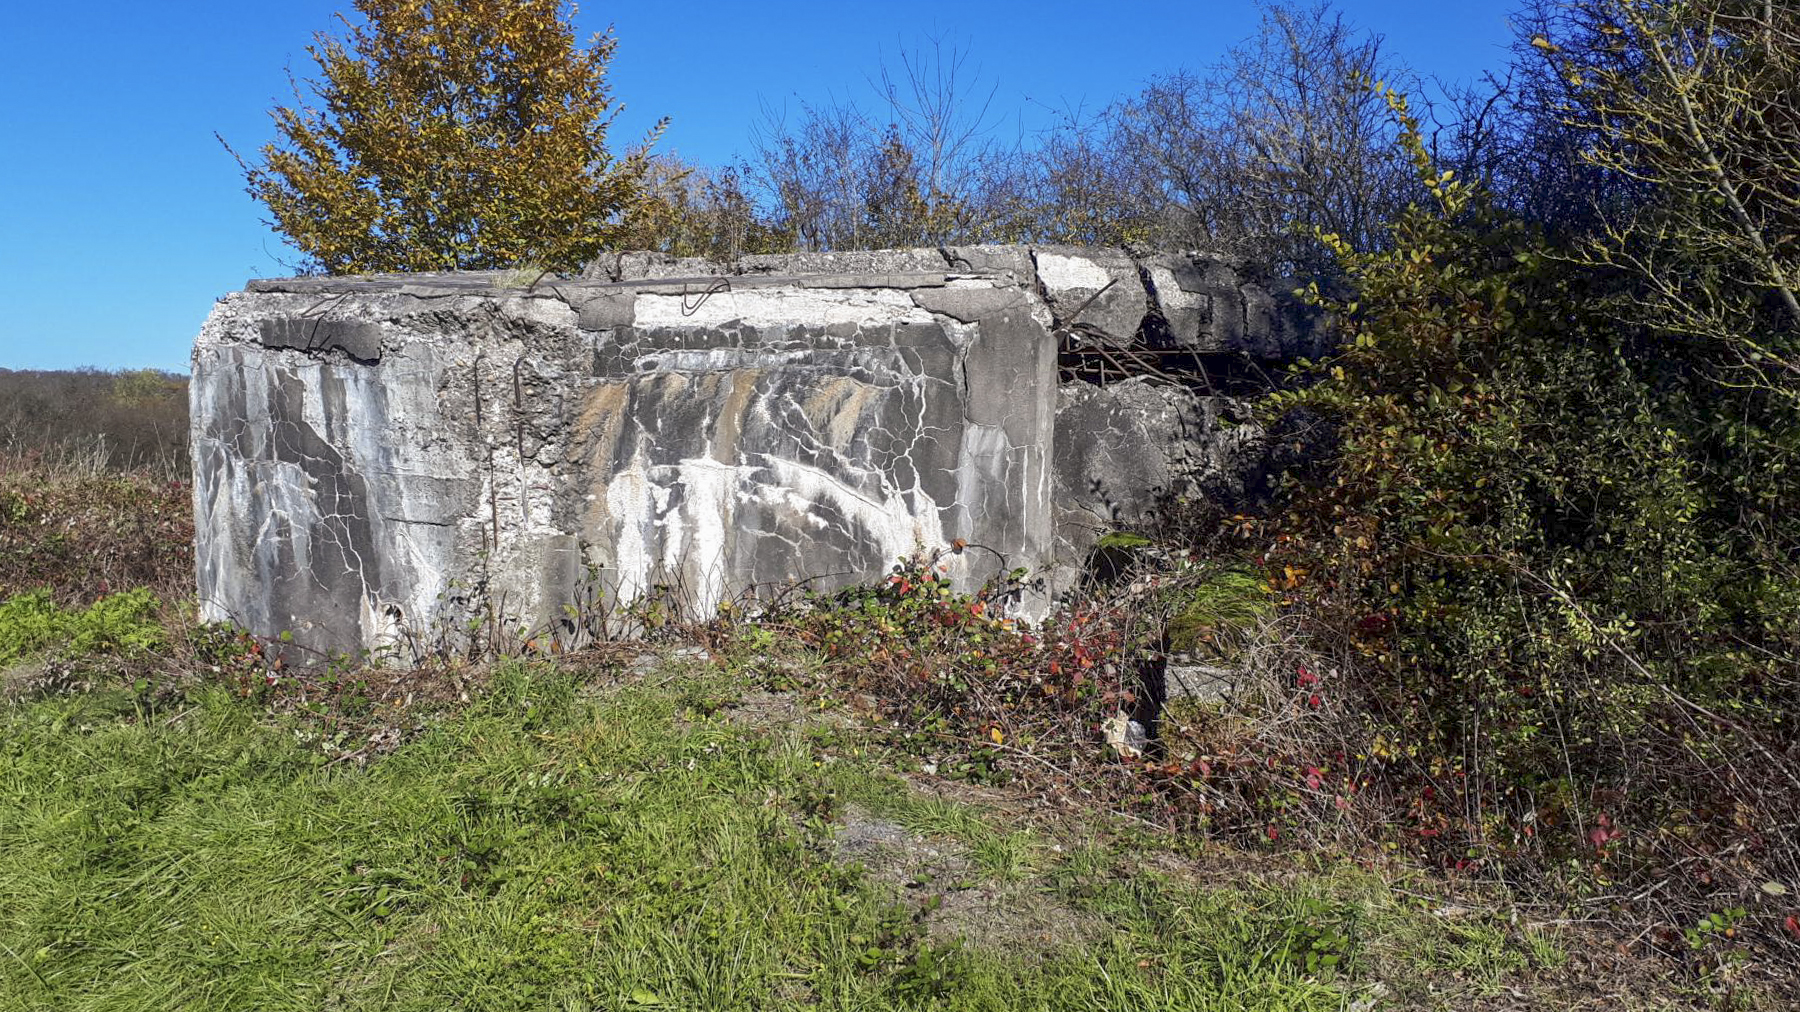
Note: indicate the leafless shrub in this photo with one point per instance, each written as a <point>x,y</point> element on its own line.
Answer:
<point>919,166</point>
<point>89,420</point>
<point>1284,136</point>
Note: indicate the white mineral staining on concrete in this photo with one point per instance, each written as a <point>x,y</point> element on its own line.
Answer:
<point>894,523</point>
<point>380,461</point>
<point>342,493</point>
<point>985,455</point>
<point>779,308</point>
<point>681,361</point>
<point>694,538</point>
<point>695,510</point>
<point>672,524</point>
<point>678,524</point>
<point>632,506</point>
<point>1059,272</point>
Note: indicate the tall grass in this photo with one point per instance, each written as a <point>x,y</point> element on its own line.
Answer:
<point>550,849</point>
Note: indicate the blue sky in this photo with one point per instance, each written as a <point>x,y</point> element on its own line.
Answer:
<point>122,218</point>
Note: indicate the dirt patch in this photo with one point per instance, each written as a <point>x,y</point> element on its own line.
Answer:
<point>1012,914</point>
<point>937,875</point>
<point>761,708</point>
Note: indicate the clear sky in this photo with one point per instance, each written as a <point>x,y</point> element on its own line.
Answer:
<point>122,218</point>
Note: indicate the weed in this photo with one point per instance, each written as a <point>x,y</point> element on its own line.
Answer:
<point>1321,937</point>
<point>121,623</point>
<point>1229,603</point>
<point>1006,856</point>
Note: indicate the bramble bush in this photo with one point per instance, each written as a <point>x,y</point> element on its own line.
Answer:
<point>912,637</point>
<point>94,489</point>
<point>980,697</point>
<point>82,536</point>
<point>1562,546</point>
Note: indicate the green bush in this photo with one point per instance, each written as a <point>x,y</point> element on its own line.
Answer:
<point>1565,547</point>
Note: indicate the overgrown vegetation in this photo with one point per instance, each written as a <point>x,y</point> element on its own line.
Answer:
<point>78,530</point>
<point>643,848</point>
<point>1558,533</point>
<point>1528,626</point>
<point>91,421</point>
<point>1242,158</point>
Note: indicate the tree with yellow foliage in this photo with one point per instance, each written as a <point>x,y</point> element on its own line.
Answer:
<point>461,135</point>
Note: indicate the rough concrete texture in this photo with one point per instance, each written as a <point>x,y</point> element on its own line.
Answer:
<point>1125,450</point>
<point>381,460</point>
<point>1095,292</point>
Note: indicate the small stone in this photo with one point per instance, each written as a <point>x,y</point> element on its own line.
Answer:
<point>1203,683</point>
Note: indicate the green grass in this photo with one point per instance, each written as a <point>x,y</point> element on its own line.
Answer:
<point>546,849</point>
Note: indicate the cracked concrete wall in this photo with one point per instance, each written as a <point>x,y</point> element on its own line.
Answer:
<point>381,460</point>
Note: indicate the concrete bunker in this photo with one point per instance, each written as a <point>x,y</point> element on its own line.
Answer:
<point>382,463</point>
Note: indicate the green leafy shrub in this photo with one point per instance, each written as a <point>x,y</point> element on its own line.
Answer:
<point>1565,548</point>
<point>123,624</point>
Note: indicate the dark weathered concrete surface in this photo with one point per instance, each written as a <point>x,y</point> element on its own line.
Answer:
<point>1127,450</point>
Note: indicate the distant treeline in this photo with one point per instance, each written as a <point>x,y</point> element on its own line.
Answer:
<point>127,420</point>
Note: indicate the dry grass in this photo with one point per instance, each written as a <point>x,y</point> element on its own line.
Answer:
<point>94,484</point>
<point>88,421</point>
